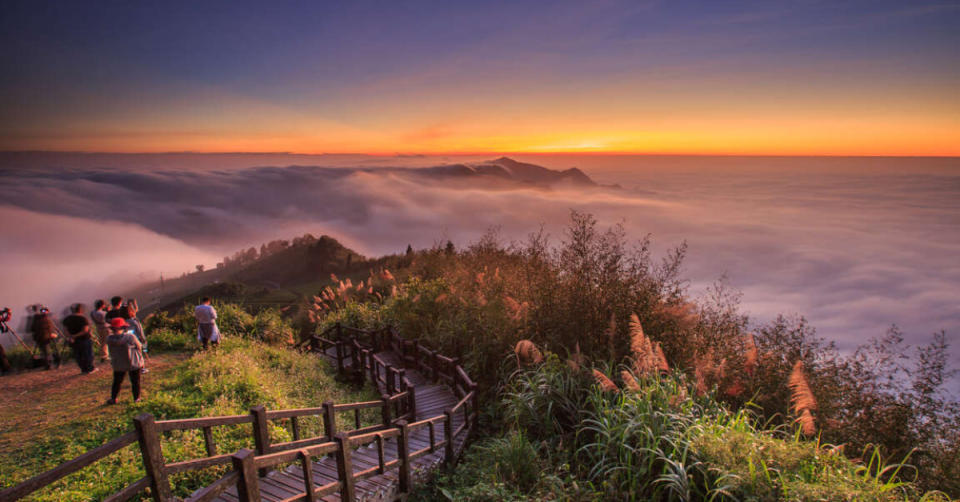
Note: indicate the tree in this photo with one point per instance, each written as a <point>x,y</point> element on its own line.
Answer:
<point>450,249</point>
<point>409,250</point>
<point>200,268</point>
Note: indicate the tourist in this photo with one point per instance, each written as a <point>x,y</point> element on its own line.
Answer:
<point>81,338</point>
<point>207,332</point>
<point>4,363</point>
<point>116,309</point>
<point>137,329</point>
<point>126,358</point>
<point>98,316</point>
<point>44,334</point>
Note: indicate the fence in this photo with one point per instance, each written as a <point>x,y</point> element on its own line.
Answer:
<point>355,353</point>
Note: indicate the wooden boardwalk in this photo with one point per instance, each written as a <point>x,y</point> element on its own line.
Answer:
<point>428,408</point>
<point>431,400</point>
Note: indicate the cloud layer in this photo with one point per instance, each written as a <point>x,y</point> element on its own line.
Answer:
<point>853,244</point>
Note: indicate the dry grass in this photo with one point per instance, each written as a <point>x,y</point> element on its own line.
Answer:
<point>647,356</point>
<point>604,381</point>
<point>527,353</point>
<point>629,382</point>
<point>802,399</point>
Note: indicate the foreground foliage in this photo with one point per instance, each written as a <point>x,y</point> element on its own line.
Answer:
<point>595,300</point>
<point>229,380</point>
<point>567,439</point>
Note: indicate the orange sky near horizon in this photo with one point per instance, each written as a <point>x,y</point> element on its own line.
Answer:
<point>748,78</point>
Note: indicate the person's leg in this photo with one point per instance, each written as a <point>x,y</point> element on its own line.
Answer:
<point>77,347</point>
<point>115,388</point>
<point>135,383</point>
<point>47,356</point>
<point>104,352</point>
<point>85,351</point>
<point>4,363</point>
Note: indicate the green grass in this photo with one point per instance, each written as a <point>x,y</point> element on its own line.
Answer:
<point>565,439</point>
<point>241,373</point>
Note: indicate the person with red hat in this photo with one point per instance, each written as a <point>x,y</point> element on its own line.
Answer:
<point>126,357</point>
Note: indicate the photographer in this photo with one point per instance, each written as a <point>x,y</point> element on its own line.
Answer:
<point>80,333</point>
<point>44,333</point>
<point>4,363</point>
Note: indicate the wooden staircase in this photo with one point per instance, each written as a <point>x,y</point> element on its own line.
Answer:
<point>428,407</point>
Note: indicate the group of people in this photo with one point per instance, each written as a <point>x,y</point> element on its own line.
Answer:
<point>118,333</point>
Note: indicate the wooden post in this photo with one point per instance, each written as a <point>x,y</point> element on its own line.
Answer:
<point>448,436</point>
<point>373,369</point>
<point>339,346</point>
<point>248,488</point>
<point>365,358</point>
<point>306,464</point>
<point>476,404</point>
<point>329,420</point>
<point>149,438</point>
<point>355,359</point>
<point>345,467</point>
<point>385,409</point>
<point>412,402</point>
<point>208,441</point>
<point>391,387</point>
<point>295,428</point>
<point>261,434</point>
<point>403,454</point>
<point>402,378</point>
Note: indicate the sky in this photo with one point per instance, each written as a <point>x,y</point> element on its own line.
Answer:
<point>754,78</point>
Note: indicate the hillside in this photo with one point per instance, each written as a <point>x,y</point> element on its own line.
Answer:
<point>603,379</point>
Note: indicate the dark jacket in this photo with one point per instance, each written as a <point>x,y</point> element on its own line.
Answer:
<point>43,328</point>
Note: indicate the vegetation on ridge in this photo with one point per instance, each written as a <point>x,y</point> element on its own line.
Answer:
<point>594,300</point>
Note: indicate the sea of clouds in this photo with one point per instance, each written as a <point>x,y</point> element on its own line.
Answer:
<point>854,244</point>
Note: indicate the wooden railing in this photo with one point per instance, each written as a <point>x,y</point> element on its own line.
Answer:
<point>397,408</point>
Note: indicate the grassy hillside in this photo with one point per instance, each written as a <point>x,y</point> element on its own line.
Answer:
<point>241,373</point>
<point>624,387</point>
<point>755,412</point>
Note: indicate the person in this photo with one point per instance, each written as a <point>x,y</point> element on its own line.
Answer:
<point>116,309</point>
<point>4,363</point>
<point>126,358</point>
<point>44,334</point>
<point>81,337</point>
<point>100,321</point>
<point>207,332</point>
<point>131,317</point>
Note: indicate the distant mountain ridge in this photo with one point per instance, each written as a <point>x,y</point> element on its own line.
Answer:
<point>508,169</point>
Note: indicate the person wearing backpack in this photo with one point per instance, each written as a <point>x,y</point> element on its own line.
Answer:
<point>44,334</point>
<point>126,358</point>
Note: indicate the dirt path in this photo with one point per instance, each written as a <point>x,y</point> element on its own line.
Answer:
<point>35,402</point>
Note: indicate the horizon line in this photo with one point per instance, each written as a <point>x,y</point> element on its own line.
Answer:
<point>491,152</point>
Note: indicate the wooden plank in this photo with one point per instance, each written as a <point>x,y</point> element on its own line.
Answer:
<point>196,423</point>
<point>196,464</point>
